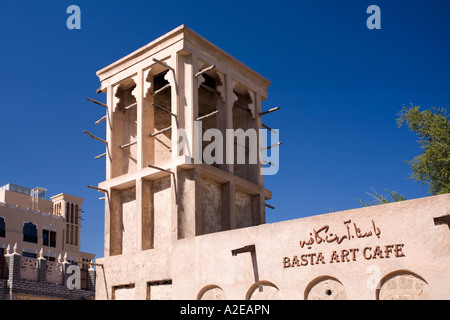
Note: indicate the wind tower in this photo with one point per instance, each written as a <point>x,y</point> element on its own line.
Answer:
<point>156,190</point>
<point>37,193</point>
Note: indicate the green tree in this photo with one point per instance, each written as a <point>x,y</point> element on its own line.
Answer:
<point>432,167</point>
<point>379,199</point>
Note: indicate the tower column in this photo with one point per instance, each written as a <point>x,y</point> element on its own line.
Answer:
<point>140,138</point>
<point>154,98</point>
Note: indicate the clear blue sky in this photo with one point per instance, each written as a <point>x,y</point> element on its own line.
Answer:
<point>339,86</point>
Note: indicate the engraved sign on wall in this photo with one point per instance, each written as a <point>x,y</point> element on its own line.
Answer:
<point>326,235</point>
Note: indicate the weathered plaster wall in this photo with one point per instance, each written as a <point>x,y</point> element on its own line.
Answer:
<point>211,205</point>
<point>129,211</point>
<point>186,203</point>
<point>325,288</point>
<point>404,286</point>
<point>162,120</point>
<point>244,209</point>
<point>162,212</point>
<point>389,251</point>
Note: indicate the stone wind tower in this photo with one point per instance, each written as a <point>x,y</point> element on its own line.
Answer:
<point>177,228</point>
<point>156,195</point>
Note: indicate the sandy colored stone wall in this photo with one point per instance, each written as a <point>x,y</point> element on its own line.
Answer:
<point>211,205</point>
<point>404,286</point>
<point>244,209</point>
<point>129,211</point>
<point>162,218</point>
<point>392,251</point>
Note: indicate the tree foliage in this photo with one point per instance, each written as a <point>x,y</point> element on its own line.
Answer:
<point>432,126</point>
<point>379,199</point>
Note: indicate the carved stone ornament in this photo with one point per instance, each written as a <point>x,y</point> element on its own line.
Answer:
<point>29,268</point>
<point>233,97</point>
<point>54,272</point>
<point>135,92</point>
<point>251,105</point>
<point>221,87</point>
<point>147,82</point>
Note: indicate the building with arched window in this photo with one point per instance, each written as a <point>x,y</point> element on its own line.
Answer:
<point>38,227</point>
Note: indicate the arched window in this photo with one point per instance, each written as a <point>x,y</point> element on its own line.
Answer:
<point>2,227</point>
<point>71,213</point>
<point>403,285</point>
<point>30,232</point>
<point>325,288</point>
<point>75,242</point>
<point>211,292</point>
<point>67,233</point>
<point>263,290</point>
<point>76,214</point>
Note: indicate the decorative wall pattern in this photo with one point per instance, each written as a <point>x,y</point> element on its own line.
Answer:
<point>54,272</point>
<point>399,285</point>
<point>29,269</point>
